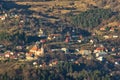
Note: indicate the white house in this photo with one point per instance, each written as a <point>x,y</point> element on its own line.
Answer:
<point>100,58</point>
<point>85,52</point>
<point>100,54</point>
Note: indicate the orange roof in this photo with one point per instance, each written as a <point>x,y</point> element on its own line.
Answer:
<point>102,28</point>
<point>100,48</point>
<point>30,53</point>
<point>35,48</point>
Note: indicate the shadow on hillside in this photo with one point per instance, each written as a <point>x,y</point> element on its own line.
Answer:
<point>77,31</point>
<point>47,16</point>
<point>9,5</point>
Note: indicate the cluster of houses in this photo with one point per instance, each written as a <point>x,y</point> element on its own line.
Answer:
<point>110,27</point>
<point>99,53</point>
<point>112,30</point>
<point>35,52</point>
<point>10,15</point>
<point>111,36</point>
<point>12,55</point>
<point>5,15</point>
<point>38,49</point>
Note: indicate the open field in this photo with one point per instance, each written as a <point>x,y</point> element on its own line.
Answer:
<point>54,10</point>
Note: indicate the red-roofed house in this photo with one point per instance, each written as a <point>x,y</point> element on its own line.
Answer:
<point>36,51</point>
<point>99,49</point>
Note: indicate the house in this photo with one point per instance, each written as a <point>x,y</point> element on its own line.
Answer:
<point>49,38</point>
<point>100,58</point>
<point>99,49</point>
<point>41,33</point>
<point>115,36</point>
<point>106,36</point>
<point>93,34</point>
<point>113,49</point>
<point>67,39</point>
<point>19,47</point>
<point>98,54</point>
<point>91,41</point>
<point>85,52</point>
<point>65,50</point>
<point>55,50</point>
<point>40,65</point>
<point>112,29</point>
<point>53,36</point>
<point>16,16</point>
<point>34,63</point>
<point>53,63</point>
<point>35,50</point>
<point>8,54</point>
<point>43,40</point>
<point>21,55</point>
<point>110,36</point>
<point>79,41</point>
<point>2,17</point>
<point>102,29</point>
<point>77,62</point>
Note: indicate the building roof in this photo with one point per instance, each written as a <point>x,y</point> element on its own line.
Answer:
<point>100,48</point>
<point>34,48</point>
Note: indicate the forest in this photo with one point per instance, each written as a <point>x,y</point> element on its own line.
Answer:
<point>62,71</point>
<point>91,18</point>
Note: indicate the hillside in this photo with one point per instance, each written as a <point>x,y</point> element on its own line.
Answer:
<point>59,40</point>
<point>55,10</point>
<point>56,16</point>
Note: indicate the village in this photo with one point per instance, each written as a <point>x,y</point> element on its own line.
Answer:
<point>47,47</point>
<point>73,42</point>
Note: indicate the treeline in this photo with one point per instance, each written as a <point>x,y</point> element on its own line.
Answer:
<point>91,18</point>
<point>4,36</point>
<point>18,37</point>
<point>62,71</point>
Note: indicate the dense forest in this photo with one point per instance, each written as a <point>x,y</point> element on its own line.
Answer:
<point>52,75</point>
<point>91,18</point>
<point>62,71</point>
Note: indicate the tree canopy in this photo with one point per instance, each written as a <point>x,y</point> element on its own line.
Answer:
<point>91,18</point>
